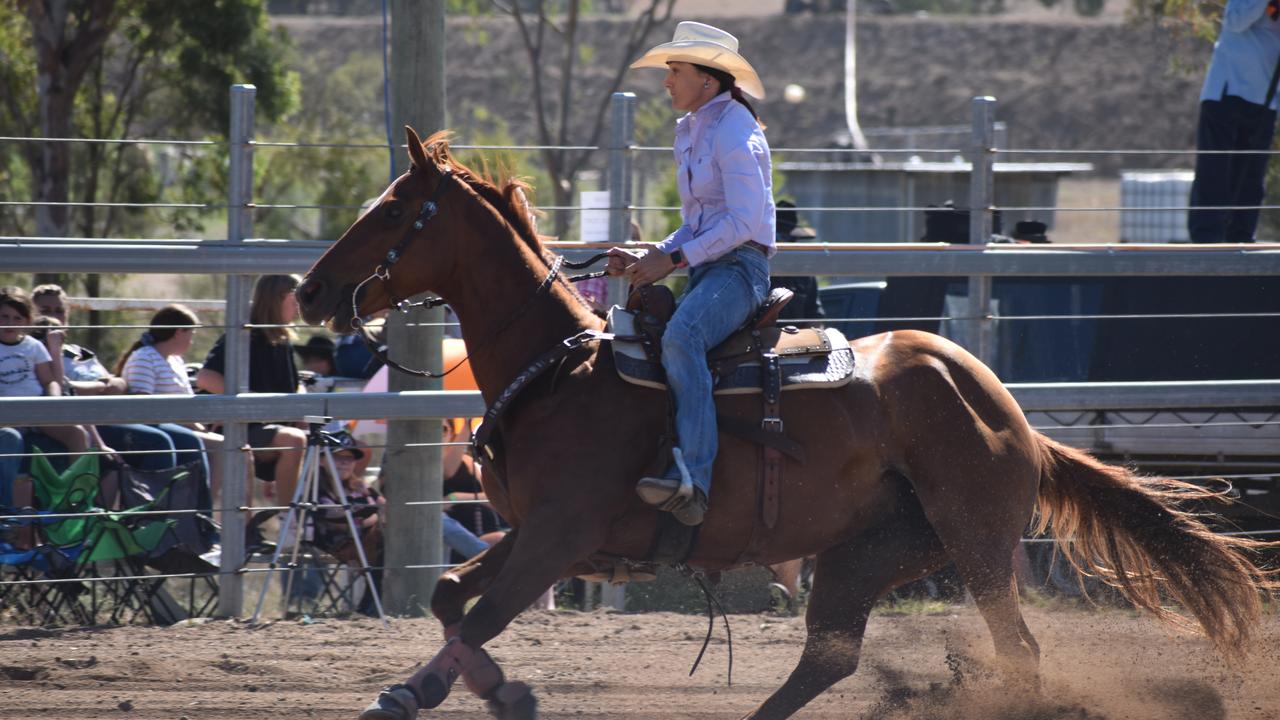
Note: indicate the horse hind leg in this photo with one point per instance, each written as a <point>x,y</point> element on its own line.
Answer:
<point>980,518</point>
<point>848,580</point>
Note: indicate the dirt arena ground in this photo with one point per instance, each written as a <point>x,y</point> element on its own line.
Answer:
<point>1096,664</point>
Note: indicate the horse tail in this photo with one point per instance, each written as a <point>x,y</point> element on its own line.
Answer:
<point>1129,531</point>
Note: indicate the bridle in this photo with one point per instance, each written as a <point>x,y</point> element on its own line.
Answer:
<point>382,273</point>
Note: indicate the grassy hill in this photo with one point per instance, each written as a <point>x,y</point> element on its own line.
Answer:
<point>1063,83</point>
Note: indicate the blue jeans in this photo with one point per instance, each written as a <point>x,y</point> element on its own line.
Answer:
<point>458,538</point>
<point>155,441</point>
<point>721,295</point>
<point>11,443</point>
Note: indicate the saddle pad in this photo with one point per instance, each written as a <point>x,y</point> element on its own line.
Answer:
<point>818,369</point>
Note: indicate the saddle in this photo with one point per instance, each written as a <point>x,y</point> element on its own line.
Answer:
<point>761,358</point>
<point>807,358</point>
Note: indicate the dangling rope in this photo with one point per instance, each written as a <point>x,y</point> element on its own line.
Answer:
<point>711,624</point>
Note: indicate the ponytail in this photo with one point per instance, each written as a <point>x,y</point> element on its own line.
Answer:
<point>166,318</point>
<point>727,82</point>
<point>736,93</point>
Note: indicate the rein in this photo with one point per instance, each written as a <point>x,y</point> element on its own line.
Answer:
<point>382,273</point>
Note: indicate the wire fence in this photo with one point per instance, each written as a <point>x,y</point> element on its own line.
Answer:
<point>962,163</point>
<point>839,155</point>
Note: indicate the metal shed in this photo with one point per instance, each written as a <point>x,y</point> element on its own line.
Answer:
<point>912,184</point>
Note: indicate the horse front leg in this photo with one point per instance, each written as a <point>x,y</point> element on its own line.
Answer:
<point>457,586</point>
<point>548,542</point>
<point>448,603</point>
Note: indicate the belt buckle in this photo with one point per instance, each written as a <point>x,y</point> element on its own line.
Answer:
<point>771,424</point>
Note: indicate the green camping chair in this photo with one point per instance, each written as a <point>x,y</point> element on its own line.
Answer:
<point>121,540</point>
<point>72,491</point>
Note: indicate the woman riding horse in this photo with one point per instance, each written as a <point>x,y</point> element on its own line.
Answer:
<point>726,202</point>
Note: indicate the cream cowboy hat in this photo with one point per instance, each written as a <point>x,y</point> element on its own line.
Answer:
<point>702,44</point>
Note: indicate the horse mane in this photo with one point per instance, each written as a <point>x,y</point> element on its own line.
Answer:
<point>506,193</point>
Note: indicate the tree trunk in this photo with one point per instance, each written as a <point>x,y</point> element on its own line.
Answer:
<point>65,44</point>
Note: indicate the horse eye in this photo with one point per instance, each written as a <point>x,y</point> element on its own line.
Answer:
<point>394,210</point>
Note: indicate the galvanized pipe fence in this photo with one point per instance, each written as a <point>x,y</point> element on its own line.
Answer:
<point>242,255</point>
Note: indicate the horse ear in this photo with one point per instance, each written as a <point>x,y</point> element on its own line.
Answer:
<point>416,154</point>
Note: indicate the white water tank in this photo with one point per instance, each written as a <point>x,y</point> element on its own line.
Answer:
<point>1142,195</point>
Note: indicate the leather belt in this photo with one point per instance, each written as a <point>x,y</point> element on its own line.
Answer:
<point>752,244</point>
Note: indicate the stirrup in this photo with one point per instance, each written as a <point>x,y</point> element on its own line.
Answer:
<point>398,702</point>
<point>668,494</point>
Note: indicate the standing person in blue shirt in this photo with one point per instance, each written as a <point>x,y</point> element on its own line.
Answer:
<point>1237,112</point>
<point>723,173</point>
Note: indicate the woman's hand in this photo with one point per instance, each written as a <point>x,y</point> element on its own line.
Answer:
<point>620,259</point>
<point>53,340</point>
<point>649,269</point>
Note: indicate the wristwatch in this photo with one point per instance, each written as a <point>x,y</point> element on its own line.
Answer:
<point>677,259</point>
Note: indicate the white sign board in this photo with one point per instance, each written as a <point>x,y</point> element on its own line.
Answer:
<point>594,226</point>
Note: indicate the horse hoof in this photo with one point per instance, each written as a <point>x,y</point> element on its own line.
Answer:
<point>395,703</point>
<point>513,701</point>
<point>780,599</point>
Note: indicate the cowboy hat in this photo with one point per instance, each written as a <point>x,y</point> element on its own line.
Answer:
<point>702,44</point>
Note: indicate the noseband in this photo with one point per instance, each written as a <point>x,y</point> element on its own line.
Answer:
<point>382,273</point>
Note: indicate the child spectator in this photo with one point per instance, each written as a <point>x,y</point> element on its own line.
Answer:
<point>27,370</point>
<point>332,533</point>
<point>317,356</point>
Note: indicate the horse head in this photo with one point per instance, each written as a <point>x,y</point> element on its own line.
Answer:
<point>413,238</point>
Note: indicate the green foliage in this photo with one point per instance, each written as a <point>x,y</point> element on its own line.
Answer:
<point>1194,18</point>
<point>469,7</point>
<point>341,105</point>
<point>209,46</point>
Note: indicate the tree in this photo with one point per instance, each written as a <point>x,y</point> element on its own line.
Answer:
<point>553,93</point>
<point>106,68</point>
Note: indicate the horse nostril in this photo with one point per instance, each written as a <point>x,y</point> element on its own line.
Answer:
<point>309,290</point>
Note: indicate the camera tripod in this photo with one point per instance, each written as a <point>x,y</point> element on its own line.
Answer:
<point>299,523</point>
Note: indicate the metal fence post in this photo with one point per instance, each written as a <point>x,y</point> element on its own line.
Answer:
<point>235,434</point>
<point>622,135</point>
<point>981,200</point>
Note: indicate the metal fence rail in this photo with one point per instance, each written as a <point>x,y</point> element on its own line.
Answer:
<point>861,259</point>
<point>263,407</point>
<point>241,255</point>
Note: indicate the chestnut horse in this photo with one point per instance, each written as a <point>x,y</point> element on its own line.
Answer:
<point>923,459</point>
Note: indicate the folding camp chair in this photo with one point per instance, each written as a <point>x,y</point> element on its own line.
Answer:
<point>105,544</point>
<point>187,550</point>
<point>30,591</point>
